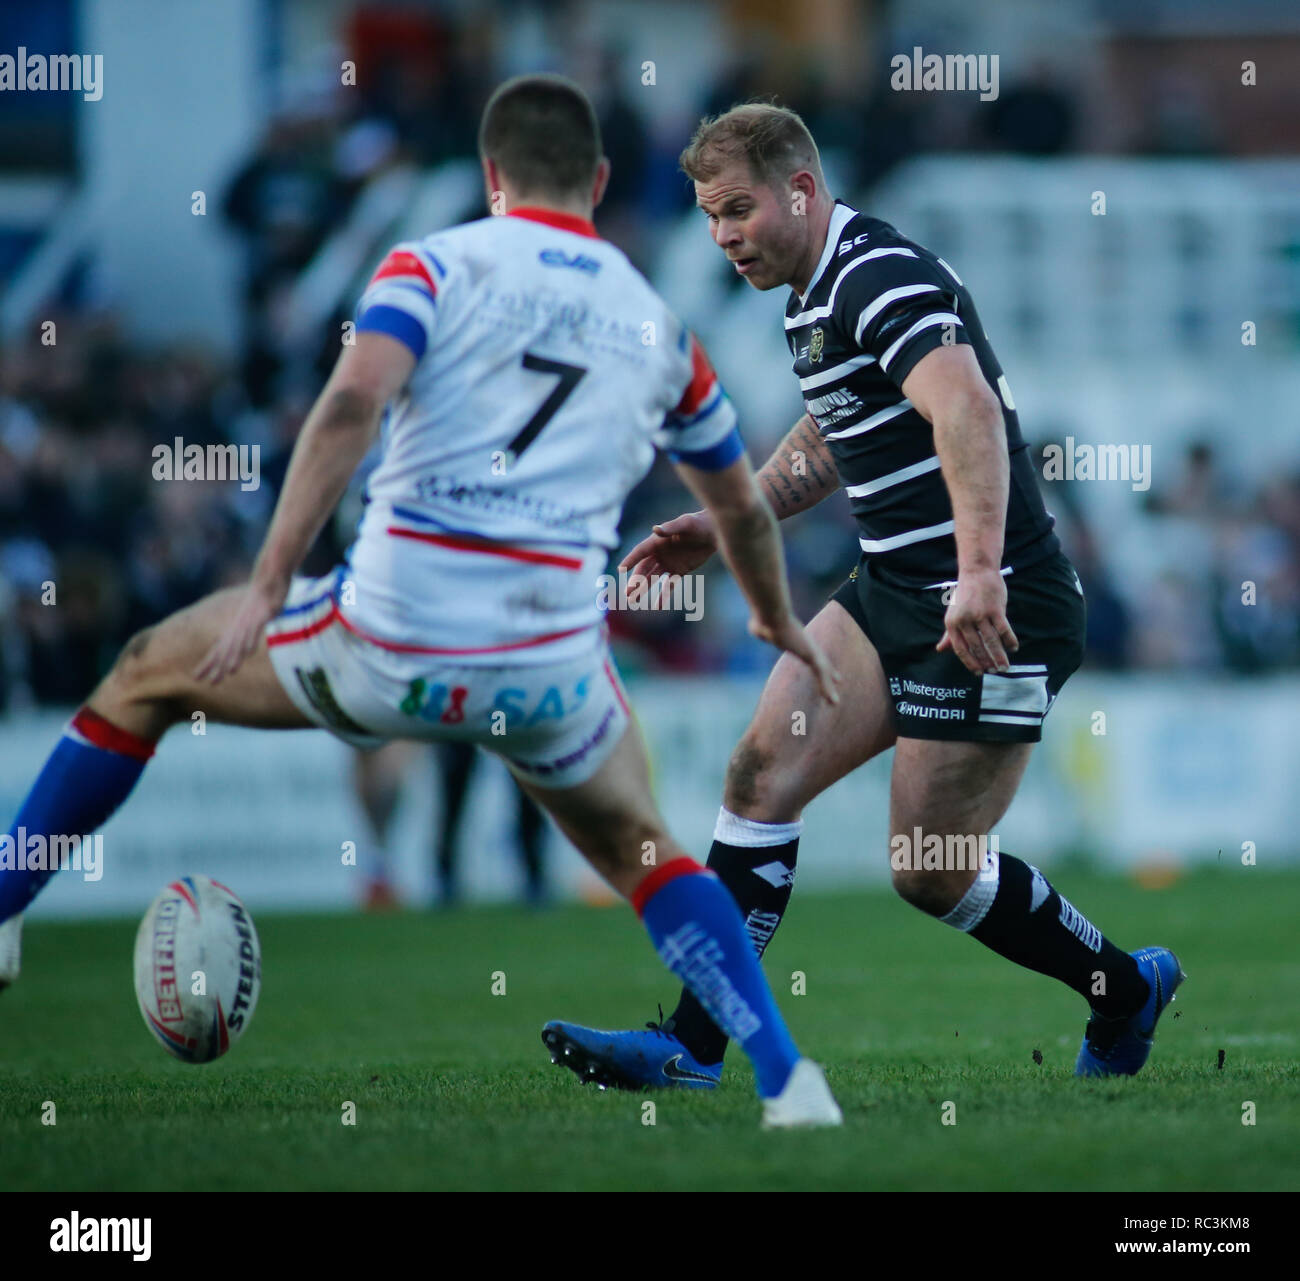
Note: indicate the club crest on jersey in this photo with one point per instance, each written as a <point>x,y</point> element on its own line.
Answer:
<point>816,341</point>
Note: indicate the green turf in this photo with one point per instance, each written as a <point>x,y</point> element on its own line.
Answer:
<point>453,1088</point>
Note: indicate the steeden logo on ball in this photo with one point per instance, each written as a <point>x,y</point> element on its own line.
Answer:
<point>198,968</point>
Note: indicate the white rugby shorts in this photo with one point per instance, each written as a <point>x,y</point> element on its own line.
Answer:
<point>554,723</point>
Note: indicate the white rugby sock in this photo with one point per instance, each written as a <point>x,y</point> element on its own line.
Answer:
<point>747,833</point>
<point>975,903</point>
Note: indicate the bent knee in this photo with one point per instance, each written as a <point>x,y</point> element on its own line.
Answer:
<point>747,772</point>
<point>934,892</point>
<point>141,675</point>
<point>763,783</point>
<point>136,663</point>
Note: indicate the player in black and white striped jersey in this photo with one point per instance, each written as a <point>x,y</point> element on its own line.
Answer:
<point>877,306</point>
<point>955,631</point>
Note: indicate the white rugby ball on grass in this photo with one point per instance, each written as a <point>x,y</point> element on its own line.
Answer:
<point>198,969</point>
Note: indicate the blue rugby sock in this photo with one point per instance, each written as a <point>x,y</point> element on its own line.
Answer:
<point>700,935</point>
<point>89,774</point>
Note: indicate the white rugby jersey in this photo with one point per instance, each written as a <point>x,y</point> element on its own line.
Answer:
<point>547,371</point>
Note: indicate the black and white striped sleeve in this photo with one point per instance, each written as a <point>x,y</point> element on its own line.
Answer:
<point>898,308</point>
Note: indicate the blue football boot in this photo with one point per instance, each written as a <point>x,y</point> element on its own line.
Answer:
<point>651,1060</point>
<point>1120,1047</point>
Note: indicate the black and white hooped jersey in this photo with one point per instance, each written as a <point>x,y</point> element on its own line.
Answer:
<point>877,303</point>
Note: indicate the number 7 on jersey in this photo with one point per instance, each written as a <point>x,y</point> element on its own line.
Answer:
<point>569,375</point>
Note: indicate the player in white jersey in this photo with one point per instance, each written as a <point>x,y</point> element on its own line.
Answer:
<point>525,373</point>
<point>546,372</point>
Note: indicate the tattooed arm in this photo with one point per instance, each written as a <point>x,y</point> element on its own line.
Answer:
<point>800,473</point>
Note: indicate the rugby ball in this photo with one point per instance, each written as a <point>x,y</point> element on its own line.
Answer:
<point>198,969</point>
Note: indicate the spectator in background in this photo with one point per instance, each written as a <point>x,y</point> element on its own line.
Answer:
<point>427,78</point>
<point>1199,490</point>
<point>331,543</point>
<point>456,763</point>
<point>184,544</point>
<point>379,777</point>
<point>283,202</point>
<point>65,633</point>
<point>612,87</point>
<point>93,547</point>
<point>895,126</point>
<point>1280,505</point>
<point>1108,631</point>
<point>1108,638</point>
<point>1035,116</point>
<point>1179,117</point>
<point>1174,626</point>
<point>1257,583</point>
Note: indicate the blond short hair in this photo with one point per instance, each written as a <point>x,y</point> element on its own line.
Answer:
<point>773,141</point>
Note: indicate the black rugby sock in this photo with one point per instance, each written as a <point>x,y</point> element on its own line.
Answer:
<point>760,879</point>
<point>1013,909</point>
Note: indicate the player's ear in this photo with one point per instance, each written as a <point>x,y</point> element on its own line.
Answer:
<point>803,183</point>
<point>601,182</point>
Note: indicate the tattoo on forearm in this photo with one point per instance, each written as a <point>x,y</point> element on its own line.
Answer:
<point>798,471</point>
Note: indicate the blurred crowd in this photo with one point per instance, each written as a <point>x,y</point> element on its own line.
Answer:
<point>92,547</point>
<point>1215,585</point>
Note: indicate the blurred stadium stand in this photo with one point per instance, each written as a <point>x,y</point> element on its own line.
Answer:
<point>1125,328</point>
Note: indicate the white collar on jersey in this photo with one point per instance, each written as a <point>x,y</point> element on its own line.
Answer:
<point>840,216</point>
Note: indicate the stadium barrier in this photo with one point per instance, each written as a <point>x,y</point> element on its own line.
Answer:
<point>1152,773</point>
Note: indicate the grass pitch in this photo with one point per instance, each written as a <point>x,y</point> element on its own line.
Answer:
<point>453,1089</point>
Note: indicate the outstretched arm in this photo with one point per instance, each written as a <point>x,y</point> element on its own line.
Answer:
<point>331,445</point>
<point>751,545</point>
<point>799,475</point>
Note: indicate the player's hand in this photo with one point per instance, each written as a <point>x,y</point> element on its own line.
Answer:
<point>678,546</point>
<point>255,607</point>
<point>975,626</point>
<point>791,637</point>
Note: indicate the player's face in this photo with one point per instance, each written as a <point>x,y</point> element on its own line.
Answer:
<point>754,226</point>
